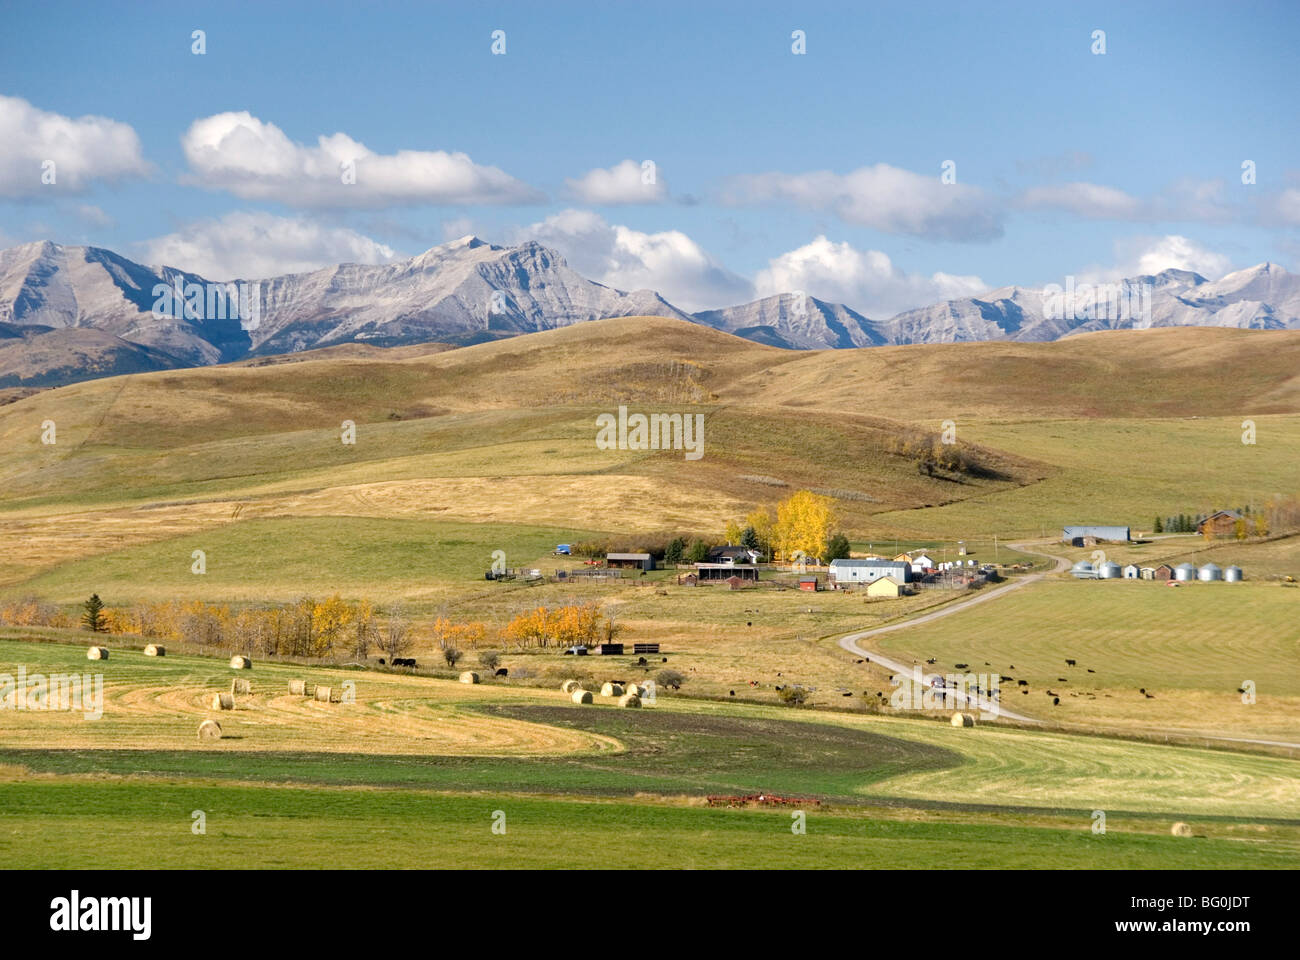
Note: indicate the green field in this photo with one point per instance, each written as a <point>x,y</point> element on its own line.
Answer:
<point>1191,648</point>
<point>892,789</point>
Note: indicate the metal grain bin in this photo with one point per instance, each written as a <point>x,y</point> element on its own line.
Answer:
<point>1185,572</point>
<point>1110,570</point>
<point>1233,575</point>
<point>1083,570</point>
<point>1210,571</point>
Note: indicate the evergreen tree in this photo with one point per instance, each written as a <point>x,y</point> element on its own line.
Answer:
<point>93,619</point>
<point>1159,527</point>
<point>675,549</point>
<point>837,547</point>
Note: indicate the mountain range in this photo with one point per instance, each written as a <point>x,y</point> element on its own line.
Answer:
<point>71,313</point>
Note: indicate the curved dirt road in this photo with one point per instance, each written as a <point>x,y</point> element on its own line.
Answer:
<point>850,643</point>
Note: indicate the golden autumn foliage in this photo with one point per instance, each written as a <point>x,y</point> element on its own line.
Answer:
<point>564,626</point>
<point>804,521</point>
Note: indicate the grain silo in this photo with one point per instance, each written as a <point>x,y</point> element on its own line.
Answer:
<point>1110,570</point>
<point>1083,570</point>
<point>1209,571</point>
<point>1232,575</point>
<point>1185,572</point>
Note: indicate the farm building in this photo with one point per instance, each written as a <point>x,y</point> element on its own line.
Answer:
<point>1233,574</point>
<point>735,583</point>
<point>1083,571</point>
<point>1131,572</point>
<point>1110,570</point>
<point>1209,571</point>
<point>921,563</point>
<point>885,587</point>
<point>1148,573</point>
<point>904,558</point>
<point>634,561</point>
<point>1221,523</point>
<point>809,583</point>
<point>717,572</point>
<point>732,555</point>
<point>866,571</point>
<point>1184,572</point>
<point>1078,536</point>
<point>1163,572</point>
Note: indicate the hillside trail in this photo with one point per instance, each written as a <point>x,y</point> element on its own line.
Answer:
<point>850,643</point>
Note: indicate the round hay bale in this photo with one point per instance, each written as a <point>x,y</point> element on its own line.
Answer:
<point>629,700</point>
<point>581,696</point>
<point>209,730</point>
<point>298,687</point>
<point>1181,829</point>
<point>324,694</point>
<point>469,676</point>
<point>963,720</point>
<point>241,663</point>
<point>240,686</point>
<point>155,650</point>
<point>635,689</point>
<point>97,653</point>
<point>611,690</point>
<point>223,701</point>
<point>568,686</point>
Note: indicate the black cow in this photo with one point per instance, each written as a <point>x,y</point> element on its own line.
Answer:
<point>502,672</point>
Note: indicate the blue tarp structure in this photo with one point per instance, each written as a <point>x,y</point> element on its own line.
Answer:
<point>564,549</point>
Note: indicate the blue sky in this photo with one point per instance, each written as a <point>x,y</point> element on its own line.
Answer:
<point>773,170</point>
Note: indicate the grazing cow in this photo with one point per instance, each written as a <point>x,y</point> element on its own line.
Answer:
<point>1150,696</point>
<point>1056,701</point>
<point>640,661</point>
<point>1069,663</point>
<point>1022,683</point>
<point>961,666</point>
<point>930,661</point>
<point>502,672</point>
<point>1062,680</point>
<point>733,693</point>
<point>381,661</point>
<point>1090,670</point>
<point>1142,689</point>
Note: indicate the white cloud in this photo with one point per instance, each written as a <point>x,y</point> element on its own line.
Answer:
<point>669,262</point>
<point>623,183</point>
<point>1147,256</point>
<point>257,161</point>
<point>1089,200</point>
<point>865,280</point>
<point>1152,255</point>
<point>255,245</point>
<point>882,197</point>
<point>83,150</point>
<point>1186,199</point>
